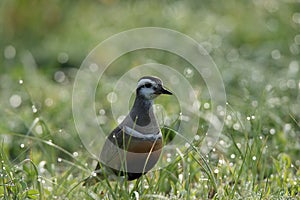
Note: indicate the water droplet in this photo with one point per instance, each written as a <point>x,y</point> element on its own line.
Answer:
<point>291,84</point>
<point>39,129</point>
<point>206,105</point>
<point>48,102</point>
<point>293,67</point>
<point>254,104</point>
<point>9,52</point>
<point>34,109</point>
<point>15,101</point>
<point>59,159</point>
<point>59,76</point>
<point>297,39</point>
<point>197,137</point>
<point>287,128</point>
<point>62,58</point>
<point>121,118</point>
<point>188,72</point>
<point>22,145</point>
<point>248,118</point>
<point>254,158</point>
<point>253,117</point>
<point>236,126</point>
<point>296,17</point>
<point>216,171</point>
<point>222,162</point>
<point>196,105</point>
<point>112,97</point>
<point>21,81</point>
<point>232,156</point>
<point>222,142</point>
<point>180,177</point>
<point>75,154</point>
<point>101,112</point>
<point>272,131</point>
<point>93,67</point>
<point>276,54</point>
<point>294,49</point>
<point>187,145</point>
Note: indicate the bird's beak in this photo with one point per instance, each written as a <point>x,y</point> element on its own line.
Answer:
<point>165,91</point>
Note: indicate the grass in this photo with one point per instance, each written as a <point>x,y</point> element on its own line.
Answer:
<point>255,46</point>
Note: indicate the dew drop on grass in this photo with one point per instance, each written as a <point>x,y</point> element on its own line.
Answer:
<point>216,171</point>
<point>236,126</point>
<point>121,118</point>
<point>248,118</point>
<point>254,158</point>
<point>21,81</point>
<point>59,76</point>
<point>101,112</point>
<point>276,54</point>
<point>93,67</point>
<point>48,102</point>
<point>272,131</point>
<point>232,156</point>
<point>59,160</point>
<point>206,105</point>
<point>10,52</point>
<point>222,162</point>
<point>112,97</point>
<point>15,100</point>
<point>39,129</point>
<point>197,137</point>
<point>254,104</point>
<point>296,17</point>
<point>75,154</point>
<point>22,145</point>
<point>229,117</point>
<point>34,109</point>
<point>62,57</point>
<point>188,72</point>
<point>187,145</point>
<point>180,177</point>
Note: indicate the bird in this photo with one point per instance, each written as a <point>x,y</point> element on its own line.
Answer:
<point>134,146</point>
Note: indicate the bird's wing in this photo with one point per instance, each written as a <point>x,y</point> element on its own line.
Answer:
<point>114,142</point>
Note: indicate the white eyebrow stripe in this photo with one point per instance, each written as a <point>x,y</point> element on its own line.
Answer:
<point>134,133</point>
<point>146,80</point>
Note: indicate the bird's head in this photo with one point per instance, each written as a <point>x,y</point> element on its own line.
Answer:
<point>150,87</point>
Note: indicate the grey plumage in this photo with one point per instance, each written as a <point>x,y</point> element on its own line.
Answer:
<point>134,146</point>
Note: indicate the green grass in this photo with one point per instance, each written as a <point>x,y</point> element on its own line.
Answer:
<point>256,47</point>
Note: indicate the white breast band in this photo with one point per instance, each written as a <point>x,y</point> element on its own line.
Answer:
<point>134,133</point>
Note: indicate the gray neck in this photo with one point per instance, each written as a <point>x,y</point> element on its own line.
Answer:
<point>142,111</point>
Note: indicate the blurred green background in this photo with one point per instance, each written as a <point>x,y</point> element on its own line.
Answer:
<point>255,44</point>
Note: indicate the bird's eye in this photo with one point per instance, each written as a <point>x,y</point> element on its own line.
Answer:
<point>148,85</point>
